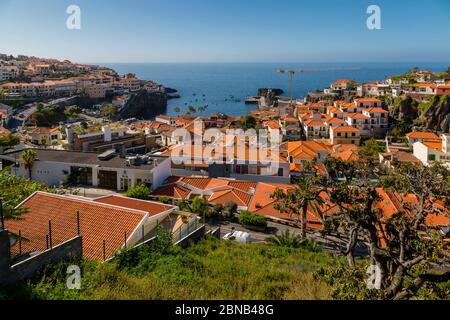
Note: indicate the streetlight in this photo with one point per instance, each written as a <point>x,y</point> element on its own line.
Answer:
<point>291,73</point>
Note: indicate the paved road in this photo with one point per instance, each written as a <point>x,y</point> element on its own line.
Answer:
<point>329,242</point>
<point>22,114</point>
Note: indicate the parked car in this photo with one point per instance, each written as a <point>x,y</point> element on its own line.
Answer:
<point>238,236</point>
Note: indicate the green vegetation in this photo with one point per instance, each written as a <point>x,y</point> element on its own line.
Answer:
<point>48,116</point>
<point>371,149</point>
<point>27,158</point>
<point>9,140</point>
<point>109,110</point>
<point>208,270</point>
<point>14,190</point>
<point>248,122</point>
<point>140,191</point>
<point>290,240</point>
<point>247,218</point>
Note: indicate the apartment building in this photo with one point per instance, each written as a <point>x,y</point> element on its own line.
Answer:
<point>429,152</point>
<point>314,127</point>
<point>359,121</point>
<point>345,135</point>
<point>8,72</point>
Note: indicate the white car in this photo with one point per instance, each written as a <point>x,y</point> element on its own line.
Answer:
<point>238,236</point>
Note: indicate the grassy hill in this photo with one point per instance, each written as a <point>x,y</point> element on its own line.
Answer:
<point>209,270</point>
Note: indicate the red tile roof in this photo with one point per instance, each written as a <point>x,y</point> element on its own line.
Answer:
<point>173,191</point>
<point>230,195</point>
<point>98,222</point>
<point>152,208</point>
<point>422,135</point>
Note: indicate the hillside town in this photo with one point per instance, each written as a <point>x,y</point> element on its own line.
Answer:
<point>238,165</point>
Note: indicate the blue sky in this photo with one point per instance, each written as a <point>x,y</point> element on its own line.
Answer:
<point>228,31</point>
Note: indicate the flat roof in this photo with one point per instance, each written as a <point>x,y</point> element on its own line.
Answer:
<point>83,158</point>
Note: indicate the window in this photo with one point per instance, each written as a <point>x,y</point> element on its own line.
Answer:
<point>353,134</point>
<point>280,172</point>
<point>431,157</point>
<point>338,134</point>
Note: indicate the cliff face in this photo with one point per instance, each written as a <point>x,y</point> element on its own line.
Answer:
<point>433,115</point>
<point>437,117</point>
<point>145,105</point>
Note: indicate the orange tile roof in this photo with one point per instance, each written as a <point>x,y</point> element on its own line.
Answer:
<point>173,191</point>
<point>422,135</point>
<point>152,208</point>
<point>433,145</point>
<point>333,109</point>
<point>230,195</point>
<point>272,124</point>
<point>305,150</point>
<point>314,123</point>
<point>376,110</point>
<point>98,222</point>
<point>368,100</point>
<point>345,129</point>
<point>357,116</point>
<point>242,185</point>
<point>343,81</point>
<point>204,183</point>
<point>335,120</point>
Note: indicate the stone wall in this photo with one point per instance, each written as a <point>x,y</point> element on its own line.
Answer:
<point>69,250</point>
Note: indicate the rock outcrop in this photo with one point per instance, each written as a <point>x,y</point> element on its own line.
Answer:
<point>432,115</point>
<point>145,105</point>
<point>437,117</point>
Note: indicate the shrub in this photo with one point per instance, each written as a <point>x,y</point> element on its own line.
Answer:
<point>140,191</point>
<point>164,199</point>
<point>249,219</point>
<point>229,210</point>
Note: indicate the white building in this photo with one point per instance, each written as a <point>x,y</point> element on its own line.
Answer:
<point>429,152</point>
<point>108,171</point>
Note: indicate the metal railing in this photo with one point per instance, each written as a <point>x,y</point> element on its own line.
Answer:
<point>187,228</point>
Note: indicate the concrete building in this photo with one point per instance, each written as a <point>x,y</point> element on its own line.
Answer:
<point>108,171</point>
<point>429,152</point>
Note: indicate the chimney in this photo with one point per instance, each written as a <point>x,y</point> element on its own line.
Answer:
<point>106,133</point>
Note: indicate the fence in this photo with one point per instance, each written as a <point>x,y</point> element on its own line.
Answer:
<point>184,230</point>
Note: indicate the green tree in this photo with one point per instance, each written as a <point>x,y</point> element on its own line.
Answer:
<point>247,218</point>
<point>304,196</point>
<point>286,239</point>
<point>248,122</point>
<point>408,251</point>
<point>177,110</point>
<point>141,191</point>
<point>198,206</point>
<point>370,150</point>
<point>28,157</point>
<point>9,140</point>
<point>109,110</point>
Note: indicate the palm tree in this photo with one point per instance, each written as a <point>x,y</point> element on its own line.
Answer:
<point>286,239</point>
<point>297,201</point>
<point>28,158</point>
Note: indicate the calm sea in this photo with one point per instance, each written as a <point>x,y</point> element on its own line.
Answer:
<point>224,87</point>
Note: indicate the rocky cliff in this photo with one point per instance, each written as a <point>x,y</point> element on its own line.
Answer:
<point>431,115</point>
<point>145,105</point>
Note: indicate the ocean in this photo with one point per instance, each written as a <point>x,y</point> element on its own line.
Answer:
<point>223,87</point>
